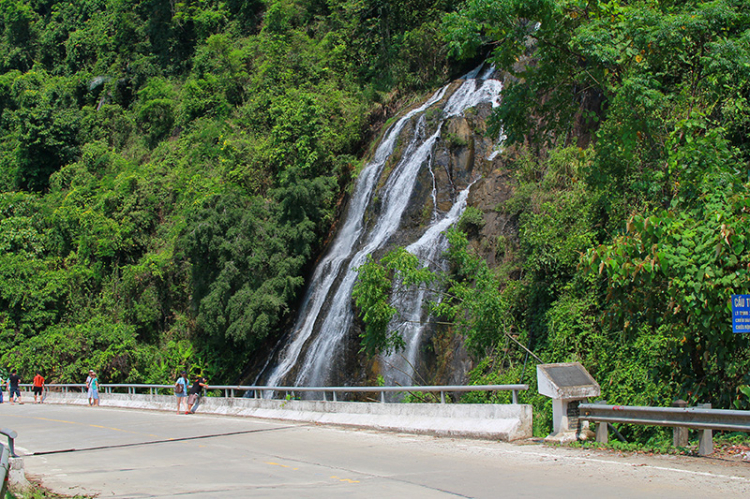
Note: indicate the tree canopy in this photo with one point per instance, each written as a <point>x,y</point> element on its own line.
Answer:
<point>626,128</point>
<point>170,170</point>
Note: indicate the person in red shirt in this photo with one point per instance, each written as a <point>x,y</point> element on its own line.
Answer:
<point>38,387</point>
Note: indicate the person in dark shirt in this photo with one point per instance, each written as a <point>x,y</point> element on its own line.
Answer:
<point>13,382</point>
<point>195,394</point>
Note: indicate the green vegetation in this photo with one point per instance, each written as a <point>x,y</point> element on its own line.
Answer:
<point>36,491</point>
<point>727,446</point>
<point>627,126</point>
<point>170,170</point>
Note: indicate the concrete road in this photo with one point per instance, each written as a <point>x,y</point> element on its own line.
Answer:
<point>138,454</point>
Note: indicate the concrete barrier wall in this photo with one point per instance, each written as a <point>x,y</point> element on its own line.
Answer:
<point>488,421</point>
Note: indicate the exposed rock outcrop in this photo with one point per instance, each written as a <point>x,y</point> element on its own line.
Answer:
<point>418,185</point>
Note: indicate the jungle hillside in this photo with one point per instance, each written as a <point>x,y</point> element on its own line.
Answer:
<point>170,172</point>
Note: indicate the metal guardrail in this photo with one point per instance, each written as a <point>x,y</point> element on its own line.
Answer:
<point>231,391</point>
<point>704,419</point>
<point>4,470</point>
<point>696,418</point>
<point>6,452</point>
<point>11,440</point>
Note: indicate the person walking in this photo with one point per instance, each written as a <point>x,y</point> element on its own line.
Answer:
<point>195,394</point>
<point>38,388</point>
<point>88,386</point>
<point>94,389</point>
<point>13,390</point>
<point>180,391</point>
<point>2,387</point>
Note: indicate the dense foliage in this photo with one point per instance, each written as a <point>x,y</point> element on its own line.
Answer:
<point>169,170</point>
<point>627,125</point>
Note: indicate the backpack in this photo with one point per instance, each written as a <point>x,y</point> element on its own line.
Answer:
<point>178,388</point>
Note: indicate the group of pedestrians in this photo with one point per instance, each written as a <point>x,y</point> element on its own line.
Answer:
<point>14,391</point>
<point>185,393</point>
<point>39,388</point>
<point>191,395</point>
<point>92,388</point>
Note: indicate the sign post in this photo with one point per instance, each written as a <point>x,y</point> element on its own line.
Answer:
<point>741,313</point>
<point>566,384</point>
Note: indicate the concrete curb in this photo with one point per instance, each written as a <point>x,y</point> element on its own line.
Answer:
<point>486,421</point>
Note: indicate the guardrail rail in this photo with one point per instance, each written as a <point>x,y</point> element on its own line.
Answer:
<point>6,452</point>
<point>702,418</point>
<point>253,391</point>
<point>4,469</point>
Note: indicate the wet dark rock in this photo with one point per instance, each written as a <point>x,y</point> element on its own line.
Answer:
<point>460,157</point>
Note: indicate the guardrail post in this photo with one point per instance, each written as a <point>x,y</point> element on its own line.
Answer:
<point>334,396</point>
<point>515,396</point>
<point>382,397</point>
<point>602,432</point>
<point>705,438</point>
<point>442,397</point>
<point>602,427</point>
<point>679,433</point>
<point>11,440</point>
<point>325,399</point>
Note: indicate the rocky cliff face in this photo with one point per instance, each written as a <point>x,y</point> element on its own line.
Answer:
<point>464,155</point>
<point>444,146</point>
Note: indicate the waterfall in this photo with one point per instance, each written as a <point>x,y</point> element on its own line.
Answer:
<point>326,312</point>
<point>399,368</point>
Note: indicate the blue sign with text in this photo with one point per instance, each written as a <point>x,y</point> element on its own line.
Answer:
<point>741,313</point>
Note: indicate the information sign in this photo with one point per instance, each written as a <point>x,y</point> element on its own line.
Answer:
<point>741,313</point>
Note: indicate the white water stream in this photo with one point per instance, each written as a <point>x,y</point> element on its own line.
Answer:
<point>399,368</point>
<point>326,312</point>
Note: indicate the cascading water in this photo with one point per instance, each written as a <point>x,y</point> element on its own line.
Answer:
<point>326,313</point>
<point>399,368</point>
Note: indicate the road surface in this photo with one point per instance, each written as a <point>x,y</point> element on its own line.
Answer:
<point>125,453</point>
